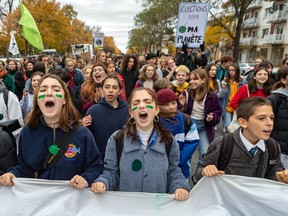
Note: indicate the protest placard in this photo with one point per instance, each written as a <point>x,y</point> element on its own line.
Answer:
<point>192,20</point>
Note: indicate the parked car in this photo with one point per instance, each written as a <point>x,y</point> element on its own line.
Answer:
<point>245,67</point>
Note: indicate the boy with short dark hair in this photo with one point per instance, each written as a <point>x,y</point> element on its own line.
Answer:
<point>250,153</point>
<point>222,70</point>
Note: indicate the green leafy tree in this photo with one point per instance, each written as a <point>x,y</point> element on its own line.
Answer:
<point>154,22</point>
<point>230,10</point>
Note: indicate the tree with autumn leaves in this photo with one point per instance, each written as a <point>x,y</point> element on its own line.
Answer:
<point>223,13</point>
<point>59,27</point>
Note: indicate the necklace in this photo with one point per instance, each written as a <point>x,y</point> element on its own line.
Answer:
<point>53,149</point>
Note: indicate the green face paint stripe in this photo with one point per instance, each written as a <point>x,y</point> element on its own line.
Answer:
<point>58,95</point>
<point>41,96</point>
<point>134,108</point>
<point>149,106</point>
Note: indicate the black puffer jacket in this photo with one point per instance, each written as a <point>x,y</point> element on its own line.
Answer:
<point>279,100</point>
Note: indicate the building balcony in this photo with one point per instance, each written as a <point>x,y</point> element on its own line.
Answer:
<point>273,39</point>
<point>251,23</point>
<point>249,41</point>
<point>277,16</point>
<point>256,4</point>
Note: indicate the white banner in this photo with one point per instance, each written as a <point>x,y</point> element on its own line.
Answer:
<point>192,20</point>
<point>215,196</point>
<point>13,47</point>
<point>98,39</point>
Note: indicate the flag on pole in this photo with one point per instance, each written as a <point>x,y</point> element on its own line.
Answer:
<point>13,47</point>
<point>29,28</point>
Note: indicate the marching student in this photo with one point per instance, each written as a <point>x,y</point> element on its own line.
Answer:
<point>148,161</point>
<point>251,154</point>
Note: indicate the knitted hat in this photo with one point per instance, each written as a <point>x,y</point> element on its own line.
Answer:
<point>150,56</point>
<point>165,96</point>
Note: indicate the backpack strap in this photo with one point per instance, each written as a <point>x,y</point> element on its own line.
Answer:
<point>226,151</point>
<point>168,148</point>
<point>187,123</point>
<point>119,146</point>
<point>62,144</point>
<point>273,153</point>
<point>6,95</point>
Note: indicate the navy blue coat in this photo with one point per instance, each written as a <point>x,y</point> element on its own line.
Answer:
<point>106,120</point>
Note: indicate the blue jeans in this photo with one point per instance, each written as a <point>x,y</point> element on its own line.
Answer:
<point>204,142</point>
<point>226,120</point>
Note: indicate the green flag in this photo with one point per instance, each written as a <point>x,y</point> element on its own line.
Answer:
<point>29,28</point>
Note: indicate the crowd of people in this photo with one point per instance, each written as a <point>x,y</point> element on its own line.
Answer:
<point>132,123</point>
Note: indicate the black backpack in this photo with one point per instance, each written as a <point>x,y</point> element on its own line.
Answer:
<point>227,148</point>
<point>187,122</point>
<point>8,149</point>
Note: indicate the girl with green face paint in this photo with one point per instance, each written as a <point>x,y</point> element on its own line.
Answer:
<point>144,139</point>
<point>53,117</point>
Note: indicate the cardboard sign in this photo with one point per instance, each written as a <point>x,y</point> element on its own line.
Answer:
<point>191,26</point>
<point>86,55</point>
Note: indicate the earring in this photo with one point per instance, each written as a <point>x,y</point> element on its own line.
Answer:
<point>156,119</point>
<point>131,120</point>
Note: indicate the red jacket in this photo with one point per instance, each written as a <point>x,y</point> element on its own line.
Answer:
<point>242,93</point>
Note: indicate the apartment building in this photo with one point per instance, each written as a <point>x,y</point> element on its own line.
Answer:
<point>265,32</point>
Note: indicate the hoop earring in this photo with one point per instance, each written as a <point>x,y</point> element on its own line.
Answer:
<point>156,119</point>
<point>131,120</point>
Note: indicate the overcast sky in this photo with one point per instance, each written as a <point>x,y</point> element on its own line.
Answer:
<point>114,16</point>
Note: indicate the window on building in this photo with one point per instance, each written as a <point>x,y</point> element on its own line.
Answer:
<point>279,29</point>
<point>255,15</point>
<point>254,34</point>
<point>244,34</point>
<point>267,11</point>
<point>265,32</point>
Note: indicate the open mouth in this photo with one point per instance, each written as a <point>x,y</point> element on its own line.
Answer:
<point>267,131</point>
<point>110,96</point>
<point>49,104</point>
<point>143,115</point>
<point>97,77</point>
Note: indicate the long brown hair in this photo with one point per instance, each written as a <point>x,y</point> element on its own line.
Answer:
<point>207,68</point>
<point>130,129</point>
<point>203,89</point>
<point>89,87</point>
<point>69,114</point>
<point>142,75</point>
<point>252,85</point>
<point>34,74</point>
<point>237,74</point>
